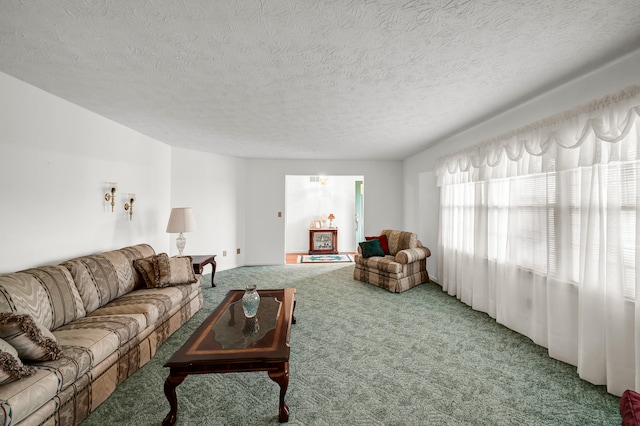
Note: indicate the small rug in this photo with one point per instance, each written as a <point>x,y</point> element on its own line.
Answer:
<point>324,258</point>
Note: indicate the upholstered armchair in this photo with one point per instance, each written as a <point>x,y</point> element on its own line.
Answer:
<point>394,260</point>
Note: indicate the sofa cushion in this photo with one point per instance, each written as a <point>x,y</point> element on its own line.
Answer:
<point>31,340</point>
<point>146,269</point>
<point>48,294</point>
<point>400,240</point>
<point>383,242</point>
<point>154,303</point>
<point>102,277</point>
<point>163,271</point>
<point>371,248</point>
<point>173,271</point>
<point>149,307</point>
<point>98,335</point>
<point>127,277</point>
<point>11,368</point>
<point>630,408</point>
<point>73,362</point>
<point>150,303</point>
<point>21,398</point>
<point>96,280</point>
<point>136,252</point>
<point>386,264</point>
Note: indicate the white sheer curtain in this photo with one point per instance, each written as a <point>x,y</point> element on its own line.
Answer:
<point>539,229</point>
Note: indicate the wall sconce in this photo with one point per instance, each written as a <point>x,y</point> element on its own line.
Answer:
<point>111,195</point>
<point>323,179</point>
<point>129,206</point>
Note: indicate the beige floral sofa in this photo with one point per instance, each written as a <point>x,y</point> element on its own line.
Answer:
<point>393,260</point>
<point>70,333</point>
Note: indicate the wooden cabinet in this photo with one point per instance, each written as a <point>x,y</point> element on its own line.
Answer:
<point>323,241</point>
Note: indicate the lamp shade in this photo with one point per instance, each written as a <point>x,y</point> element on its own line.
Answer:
<point>181,220</point>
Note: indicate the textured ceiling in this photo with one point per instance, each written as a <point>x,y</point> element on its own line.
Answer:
<point>342,79</point>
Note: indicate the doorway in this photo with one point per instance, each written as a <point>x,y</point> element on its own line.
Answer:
<point>359,211</point>
<point>308,198</point>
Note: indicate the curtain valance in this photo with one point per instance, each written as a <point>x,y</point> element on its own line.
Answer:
<point>583,136</point>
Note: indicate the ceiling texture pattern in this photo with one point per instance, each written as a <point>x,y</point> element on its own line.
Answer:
<point>312,79</point>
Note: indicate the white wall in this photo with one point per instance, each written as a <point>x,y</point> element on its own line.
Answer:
<point>307,201</point>
<point>421,194</point>
<point>265,231</point>
<point>214,185</point>
<point>55,160</point>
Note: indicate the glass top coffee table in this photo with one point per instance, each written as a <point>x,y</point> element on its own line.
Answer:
<point>227,342</point>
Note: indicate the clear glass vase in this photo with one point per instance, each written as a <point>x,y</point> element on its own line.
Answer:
<point>250,301</point>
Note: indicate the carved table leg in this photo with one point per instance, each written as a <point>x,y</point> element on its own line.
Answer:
<point>293,313</point>
<point>170,386</point>
<point>213,271</point>
<point>281,377</point>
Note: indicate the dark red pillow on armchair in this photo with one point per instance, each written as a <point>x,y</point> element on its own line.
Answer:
<point>630,408</point>
<point>383,242</point>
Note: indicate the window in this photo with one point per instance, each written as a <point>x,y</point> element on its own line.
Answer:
<point>539,229</point>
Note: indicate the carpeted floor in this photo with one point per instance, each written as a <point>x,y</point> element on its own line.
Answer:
<point>363,356</point>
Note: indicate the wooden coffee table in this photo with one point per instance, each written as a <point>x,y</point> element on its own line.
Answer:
<point>229,342</point>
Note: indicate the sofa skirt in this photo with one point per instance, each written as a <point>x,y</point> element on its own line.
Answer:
<point>393,282</point>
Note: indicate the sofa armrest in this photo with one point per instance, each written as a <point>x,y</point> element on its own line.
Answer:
<point>412,255</point>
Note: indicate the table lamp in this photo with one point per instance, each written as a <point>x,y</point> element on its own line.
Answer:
<point>181,220</point>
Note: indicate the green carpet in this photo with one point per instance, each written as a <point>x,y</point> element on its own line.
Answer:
<point>363,356</point>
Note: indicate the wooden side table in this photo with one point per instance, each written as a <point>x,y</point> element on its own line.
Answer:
<point>200,261</point>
